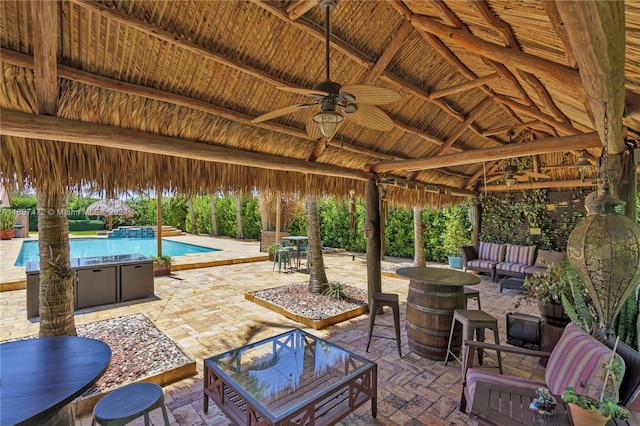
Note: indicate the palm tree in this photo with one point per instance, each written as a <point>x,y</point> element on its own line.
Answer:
<point>214,221</point>
<point>56,275</point>
<point>192,211</point>
<point>317,274</point>
<point>418,237</point>
<point>239,234</point>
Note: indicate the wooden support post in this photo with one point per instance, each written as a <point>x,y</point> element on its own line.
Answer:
<point>474,218</point>
<point>278,217</point>
<point>159,214</point>
<point>623,180</point>
<point>372,236</point>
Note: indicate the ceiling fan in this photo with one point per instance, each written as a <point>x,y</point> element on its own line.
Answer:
<point>511,175</point>
<point>338,102</point>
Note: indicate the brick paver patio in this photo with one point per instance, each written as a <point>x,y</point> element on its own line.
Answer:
<point>205,313</point>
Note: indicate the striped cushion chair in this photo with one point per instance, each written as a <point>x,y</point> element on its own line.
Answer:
<point>577,357</point>
<point>483,258</point>
<point>517,259</point>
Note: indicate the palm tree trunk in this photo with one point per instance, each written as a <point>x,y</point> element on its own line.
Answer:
<point>56,276</point>
<point>317,274</point>
<point>263,204</point>
<point>239,234</point>
<point>214,221</point>
<point>192,211</point>
<point>418,237</point>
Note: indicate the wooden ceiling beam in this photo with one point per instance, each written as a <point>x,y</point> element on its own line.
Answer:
<point>596,34</point>
<point>300,7</point>
<point>44,15</point>
<point>565,128</point>
<point>543,184</point>
<point>462,127</point>
<point>503,130</point>
<point>84,77</point>
<point>509,57</point>
<point>31,126</point>
<point>464,86</point>
<point>470,183</point>
<point>540,146</point>
<point>388,53</point>
<point>544,95</point>
<point>508,76</point>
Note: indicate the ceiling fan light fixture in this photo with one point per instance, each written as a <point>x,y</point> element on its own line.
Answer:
<point>328,122</point>
<point>510,181</point>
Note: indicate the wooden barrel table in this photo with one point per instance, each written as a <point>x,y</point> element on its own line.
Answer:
<point>434,293</point>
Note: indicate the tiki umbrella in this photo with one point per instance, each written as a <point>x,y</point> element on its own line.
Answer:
<point>109,207</point>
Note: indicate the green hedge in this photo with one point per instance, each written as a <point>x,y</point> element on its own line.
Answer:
<point>86,225</point>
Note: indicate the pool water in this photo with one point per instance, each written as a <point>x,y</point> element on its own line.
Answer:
<point>89,247</point>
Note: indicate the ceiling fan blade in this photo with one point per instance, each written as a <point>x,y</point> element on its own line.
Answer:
<point>300,91</point>
<point>521,177</point>
<point>312,129</point>
<point>278,112</point>
<point>366,94</point>
<point>371,117</point>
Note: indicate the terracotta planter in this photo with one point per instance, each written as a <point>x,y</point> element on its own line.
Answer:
<point>553,313</point>
<point>584,417</point>
<point>6,234</point>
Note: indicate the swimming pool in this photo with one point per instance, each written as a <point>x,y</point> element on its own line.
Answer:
<point>89,247</point>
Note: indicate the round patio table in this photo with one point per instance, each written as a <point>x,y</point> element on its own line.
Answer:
<point>434,293</point>
<point>39,377</point>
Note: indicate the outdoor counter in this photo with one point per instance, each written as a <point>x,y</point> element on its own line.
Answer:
<point>101,280</point>
<point>434,293</point>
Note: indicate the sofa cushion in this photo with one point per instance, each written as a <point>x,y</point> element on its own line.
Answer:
<point>511,267</point>
<point>576,358</point>
<point>484,264</point>
<point>530,270</point>
<point>523,255</point>
<point>491,251</point>
<point>547,257</point>
<point>475,375</point>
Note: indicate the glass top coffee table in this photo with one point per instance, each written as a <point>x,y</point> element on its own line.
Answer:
<point>292,377</point>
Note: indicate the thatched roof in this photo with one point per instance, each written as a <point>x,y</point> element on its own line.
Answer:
<point>148,94</point>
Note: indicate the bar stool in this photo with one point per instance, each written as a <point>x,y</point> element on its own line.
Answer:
<point>385,299</point>
<point>470,293</point>
<point>473,321</point>
<point>128,403</point>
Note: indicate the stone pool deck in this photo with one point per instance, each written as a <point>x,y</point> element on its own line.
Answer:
<point>231,251</point>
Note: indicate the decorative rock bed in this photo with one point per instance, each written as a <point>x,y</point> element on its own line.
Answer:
<point>313,310</point>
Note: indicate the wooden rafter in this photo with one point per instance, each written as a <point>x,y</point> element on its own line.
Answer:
<point>564,128</point>
<point>544,95</point>
<point>475,113</point>
<point>508,76</point>
<point>541,146</point>
<point>300,7</point>
<point>510,57</point>
<point>464,86</point>
<point>503,130</point>
<point>561,31</point>
<point>30,126</point>
<point>502,27</point>
<point>576,183</point>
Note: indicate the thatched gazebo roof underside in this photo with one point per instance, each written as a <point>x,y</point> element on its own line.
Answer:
<point>135,95</point>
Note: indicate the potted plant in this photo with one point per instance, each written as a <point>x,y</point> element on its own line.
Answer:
<point>455,235</point>
<point>7,223</point>
<point>548,290</point>
<point>588,410</point>
<point>272,250</point>
<point>162,265</point>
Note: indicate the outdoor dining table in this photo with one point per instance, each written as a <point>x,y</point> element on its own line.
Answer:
<point>297,239</point>
<point>434,294</point>
<point>39,377</point>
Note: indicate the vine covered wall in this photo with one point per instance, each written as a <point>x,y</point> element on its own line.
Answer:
<point>531,217</point>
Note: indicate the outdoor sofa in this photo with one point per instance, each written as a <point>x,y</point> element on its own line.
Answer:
<point>508,260</point>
